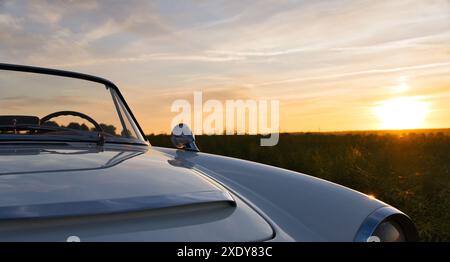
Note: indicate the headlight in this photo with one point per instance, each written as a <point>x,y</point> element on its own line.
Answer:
<point>387,224</point>
<point>389,231</point>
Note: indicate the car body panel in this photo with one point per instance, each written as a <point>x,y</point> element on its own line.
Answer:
<point>46,191</point>
<point>212,222</point>
<point>304,207</point>
<point>48,177</point>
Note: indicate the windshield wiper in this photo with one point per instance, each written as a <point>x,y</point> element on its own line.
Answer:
<point>99,136</point>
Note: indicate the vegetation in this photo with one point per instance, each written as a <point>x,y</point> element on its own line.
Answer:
<point>409,171</point>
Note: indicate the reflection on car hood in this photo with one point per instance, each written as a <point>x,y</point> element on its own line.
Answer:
<point>58,180</point>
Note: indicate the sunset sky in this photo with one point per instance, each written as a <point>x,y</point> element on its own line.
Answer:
<point>333,65</point>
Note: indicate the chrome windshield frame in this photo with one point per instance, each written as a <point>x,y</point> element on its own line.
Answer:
<point>82,76</point>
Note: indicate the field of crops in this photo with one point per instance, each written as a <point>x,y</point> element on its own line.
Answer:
<point>409,171</point>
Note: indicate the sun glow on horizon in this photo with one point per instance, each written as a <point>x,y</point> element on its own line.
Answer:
<point>403,85</point>
<point>402,113</point>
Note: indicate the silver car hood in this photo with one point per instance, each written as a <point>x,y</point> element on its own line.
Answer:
<point>78,182</point>
<point>71,181</point>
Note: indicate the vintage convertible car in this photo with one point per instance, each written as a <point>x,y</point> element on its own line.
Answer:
<point>75,165</point>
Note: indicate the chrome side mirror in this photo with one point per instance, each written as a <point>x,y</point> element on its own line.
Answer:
<point>183,138</point>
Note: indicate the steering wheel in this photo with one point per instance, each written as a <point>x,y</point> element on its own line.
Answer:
<point>98,128</point>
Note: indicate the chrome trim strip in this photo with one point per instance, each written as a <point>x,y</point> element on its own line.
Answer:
<point>110,206</point>
<point>371,223</point>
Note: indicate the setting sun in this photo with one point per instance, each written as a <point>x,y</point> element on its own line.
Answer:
<point>402,113</point>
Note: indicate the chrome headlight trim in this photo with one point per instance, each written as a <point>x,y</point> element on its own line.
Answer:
<point>381,215</point>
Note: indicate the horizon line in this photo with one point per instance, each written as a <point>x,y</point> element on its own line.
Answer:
<point>410,130</point>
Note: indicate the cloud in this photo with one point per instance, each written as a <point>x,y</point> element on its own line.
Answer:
<point>281,48</point>
<point>42,32</point>
<point>359,73</point>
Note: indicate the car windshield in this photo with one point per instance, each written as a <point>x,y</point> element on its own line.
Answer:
<point>46,107</point>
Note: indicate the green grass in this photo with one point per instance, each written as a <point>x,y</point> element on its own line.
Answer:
<point>410,172</point>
